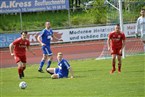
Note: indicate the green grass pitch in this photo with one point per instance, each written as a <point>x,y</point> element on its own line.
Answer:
<point>92,79</point>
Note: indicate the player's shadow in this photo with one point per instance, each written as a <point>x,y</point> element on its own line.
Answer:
<point>135,71</point>
<point>91,70</point>
<point>49,77</point>
<point>42,77</point>
<point>80,76</point>
<point>83,75</point>
<point>38,77</point>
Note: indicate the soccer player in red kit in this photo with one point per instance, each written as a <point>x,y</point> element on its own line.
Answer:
<point>18,50</point>
<point>116,43</point>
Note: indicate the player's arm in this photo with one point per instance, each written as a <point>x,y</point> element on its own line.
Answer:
<point>137,28</point>
<point>123,41</point>
<point>123,44</point>
<point>71,72</point>
<point>39,40</point>
<point>11,48</point>
<point>30,50</point>
<point>69,68</point>
<point>108,43</point>
<point>53,36</point>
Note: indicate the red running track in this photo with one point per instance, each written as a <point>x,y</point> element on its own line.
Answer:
<point>71,51</point>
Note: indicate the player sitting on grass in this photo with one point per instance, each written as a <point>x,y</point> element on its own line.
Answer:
<point>63,68</point>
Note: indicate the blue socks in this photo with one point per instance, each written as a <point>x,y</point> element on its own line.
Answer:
<point>48,64</point>
<point>41,64</point>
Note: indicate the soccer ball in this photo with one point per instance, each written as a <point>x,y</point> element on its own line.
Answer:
<point>23,85</point>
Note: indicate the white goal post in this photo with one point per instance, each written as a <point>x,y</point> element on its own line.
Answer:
<point>104,54</point>
<point>120,18</point>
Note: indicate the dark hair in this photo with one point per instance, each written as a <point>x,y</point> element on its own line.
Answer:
<point>143,9</point>
<point>47,20</point>
<point>24,32</point>
<point>117,24</point>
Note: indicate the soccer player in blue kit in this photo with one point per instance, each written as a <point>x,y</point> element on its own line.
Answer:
<point>63,68</point>
<point>44,38</point>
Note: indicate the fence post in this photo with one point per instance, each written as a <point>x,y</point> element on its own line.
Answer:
<point>21,25</point>
<point>69,22</point>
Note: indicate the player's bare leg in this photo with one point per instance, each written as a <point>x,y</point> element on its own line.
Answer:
<point>113,63</point>
<point>55,76</point>
<point>50,70</point>
<point>119,63</point>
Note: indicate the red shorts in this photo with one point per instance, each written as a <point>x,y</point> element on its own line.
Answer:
<point>20,58</point>
<point>116,51</point>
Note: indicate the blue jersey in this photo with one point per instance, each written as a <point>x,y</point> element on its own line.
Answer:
<point>46,36</point>
<point>63,67</point>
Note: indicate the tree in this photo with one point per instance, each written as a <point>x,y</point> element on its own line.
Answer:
<point>134,5</point>
<point>99,11</point>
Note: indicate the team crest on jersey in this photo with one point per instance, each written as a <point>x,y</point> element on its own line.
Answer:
<point>119,36</point>
<point>60,66</point>
<point>50,32</point>
<point>25,43</point>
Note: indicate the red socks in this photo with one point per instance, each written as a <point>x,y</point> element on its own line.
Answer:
<point>20,70</point>
<point>113,66</point>
<point>119,67</point>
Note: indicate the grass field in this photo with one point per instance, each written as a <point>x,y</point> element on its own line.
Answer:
<point>92,79</point>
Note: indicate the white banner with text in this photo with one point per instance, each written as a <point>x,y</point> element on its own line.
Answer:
<point>84,34</point>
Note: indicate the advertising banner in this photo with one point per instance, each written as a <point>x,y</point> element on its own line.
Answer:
<point>84,34</point>
<point>71,35</point>
<point>14,6</point>
<point>6,39</point>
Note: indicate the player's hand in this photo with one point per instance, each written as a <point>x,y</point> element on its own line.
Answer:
<point>108,48</point>
<point>120,52</point>
<point>43,44</point>
<point>12,54</point>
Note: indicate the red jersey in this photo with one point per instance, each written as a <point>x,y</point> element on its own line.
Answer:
<point>116,39</point>
<point>20,46</point>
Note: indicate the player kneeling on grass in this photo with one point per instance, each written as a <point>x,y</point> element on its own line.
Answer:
<point>63,68</point>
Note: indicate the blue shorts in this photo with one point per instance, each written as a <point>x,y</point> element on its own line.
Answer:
<point>46,50</point>
<point>60,75</point>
